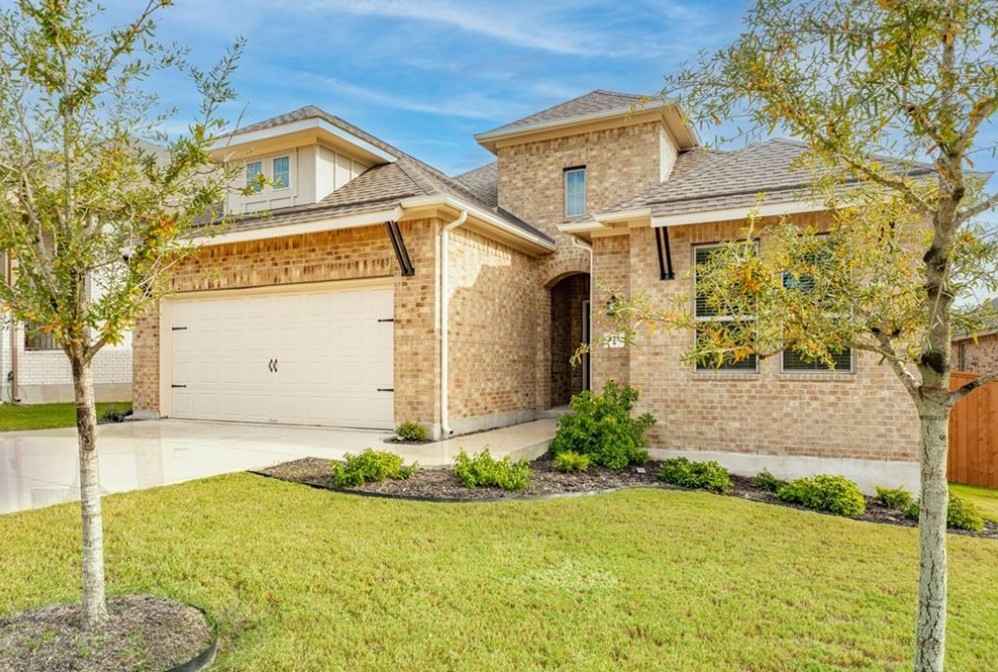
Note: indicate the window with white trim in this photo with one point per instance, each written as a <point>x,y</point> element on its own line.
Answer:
<point>253,171</point>
<point>575,191</point>
<point>794,361</point>
<point>282,172</point>
<point>708,317</point>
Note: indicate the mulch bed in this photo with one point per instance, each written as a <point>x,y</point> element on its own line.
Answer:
<point>441,485</point>
<point>143,633</point>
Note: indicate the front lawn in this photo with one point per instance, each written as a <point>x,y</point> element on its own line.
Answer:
<point>303,579</point>
<point>48,416</point>
<point>986,499</point>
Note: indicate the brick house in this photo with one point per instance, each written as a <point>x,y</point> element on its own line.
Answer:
<point>363,288</point>
<point>977,353</point>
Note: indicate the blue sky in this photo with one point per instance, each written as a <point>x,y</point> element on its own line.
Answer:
<point>426,75</point>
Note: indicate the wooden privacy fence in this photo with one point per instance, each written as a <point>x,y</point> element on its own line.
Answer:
<point>973,434</point>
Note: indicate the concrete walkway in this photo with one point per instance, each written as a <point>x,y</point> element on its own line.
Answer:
<point>41,468</point>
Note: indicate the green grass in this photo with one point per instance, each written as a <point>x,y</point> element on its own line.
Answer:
<point>309,580</point>
<point>47,416</point>
<point>986,499</point>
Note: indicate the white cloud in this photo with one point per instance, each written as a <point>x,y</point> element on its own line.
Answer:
<point>468,106</point>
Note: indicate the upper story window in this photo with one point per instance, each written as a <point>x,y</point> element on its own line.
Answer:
<point>253,171</point>
<point>575,191</point>
<point>282,172</point>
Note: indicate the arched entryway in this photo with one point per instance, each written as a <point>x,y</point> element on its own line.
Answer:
<point>569,329</point>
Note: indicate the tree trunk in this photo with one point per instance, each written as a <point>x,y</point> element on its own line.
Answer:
<point>94,601</point>
<point>930,635</point>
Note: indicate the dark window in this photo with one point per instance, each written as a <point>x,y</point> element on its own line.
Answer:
<point>795,361</point>
<point>711,318</point>
<point>36,339</point>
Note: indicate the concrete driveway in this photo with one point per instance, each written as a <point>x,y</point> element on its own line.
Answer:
<point>40,468</point>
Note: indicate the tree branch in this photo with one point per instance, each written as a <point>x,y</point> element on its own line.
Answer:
<point>985,205</point>
<point>961,392</point>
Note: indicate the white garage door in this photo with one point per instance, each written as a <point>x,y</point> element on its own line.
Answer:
<point>314,357</point>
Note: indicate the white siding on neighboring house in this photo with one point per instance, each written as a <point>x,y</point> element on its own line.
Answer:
<point>44,375</point>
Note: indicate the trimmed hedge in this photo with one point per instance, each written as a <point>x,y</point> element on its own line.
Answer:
<point>412,431</point>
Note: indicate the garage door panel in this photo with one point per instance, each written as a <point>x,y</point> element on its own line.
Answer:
<point>332,355</point>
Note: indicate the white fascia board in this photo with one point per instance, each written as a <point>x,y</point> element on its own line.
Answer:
<point>483,215</point>
<point>707,216</point>
<point>238,138</point>
<point>571,121</point>
<point>331,224</point>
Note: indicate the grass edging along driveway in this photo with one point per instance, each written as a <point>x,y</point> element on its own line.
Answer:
<point>49,416</point>
<point>310,580</point>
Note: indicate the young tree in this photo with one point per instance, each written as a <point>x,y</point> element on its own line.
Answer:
<point>856,80</point>
<point>92,216</point>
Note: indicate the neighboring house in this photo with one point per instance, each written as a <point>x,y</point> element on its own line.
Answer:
<point>977,353</point>
<point>378,290</point>
<point>33,370</point>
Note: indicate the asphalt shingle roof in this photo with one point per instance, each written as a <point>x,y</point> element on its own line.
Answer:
<point>705,180</point>
<point>593,102</point>
<point>483,182</point>
<point>378,188</point>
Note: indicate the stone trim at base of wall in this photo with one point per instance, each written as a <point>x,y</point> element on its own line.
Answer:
<point>868,474</point>
<point>59,394</point>
<point>483,422</point>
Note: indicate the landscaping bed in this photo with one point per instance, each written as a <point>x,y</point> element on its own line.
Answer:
<point>143,633</point>
<point>441,484</point>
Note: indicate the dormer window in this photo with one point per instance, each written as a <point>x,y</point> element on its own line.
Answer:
<point>575,191</point>
<point>253,171</point>
<point>282,172</point>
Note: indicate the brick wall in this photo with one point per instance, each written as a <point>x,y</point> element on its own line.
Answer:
<point>492,341</point>
<point>865,415</point>
<point>332,255</point>
<point>611,277</point>
<point>618,161</point>
<point>979,357</point>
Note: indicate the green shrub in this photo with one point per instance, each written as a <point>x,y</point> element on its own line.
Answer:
<point>961,515</point>
<point>824,492</point>
<point>602,428</point>
<point>700,475</point>
<point>898,499</point>
<point>766,481</point>
<point>483,470</point>
<point>412,431</point>
<point>569,462</point>
<point>964,515</point>
<point>369,466</point>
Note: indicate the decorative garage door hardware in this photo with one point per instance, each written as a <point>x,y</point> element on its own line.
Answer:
<point>386,389</point>
<point>272,365</point>
<point>182,387</point>
<point>179,328</point>
<point>665,271</point>
<point>387,319</point>
<point>395,235</point>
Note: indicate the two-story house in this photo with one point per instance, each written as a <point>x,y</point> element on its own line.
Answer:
<point>361,287</point>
